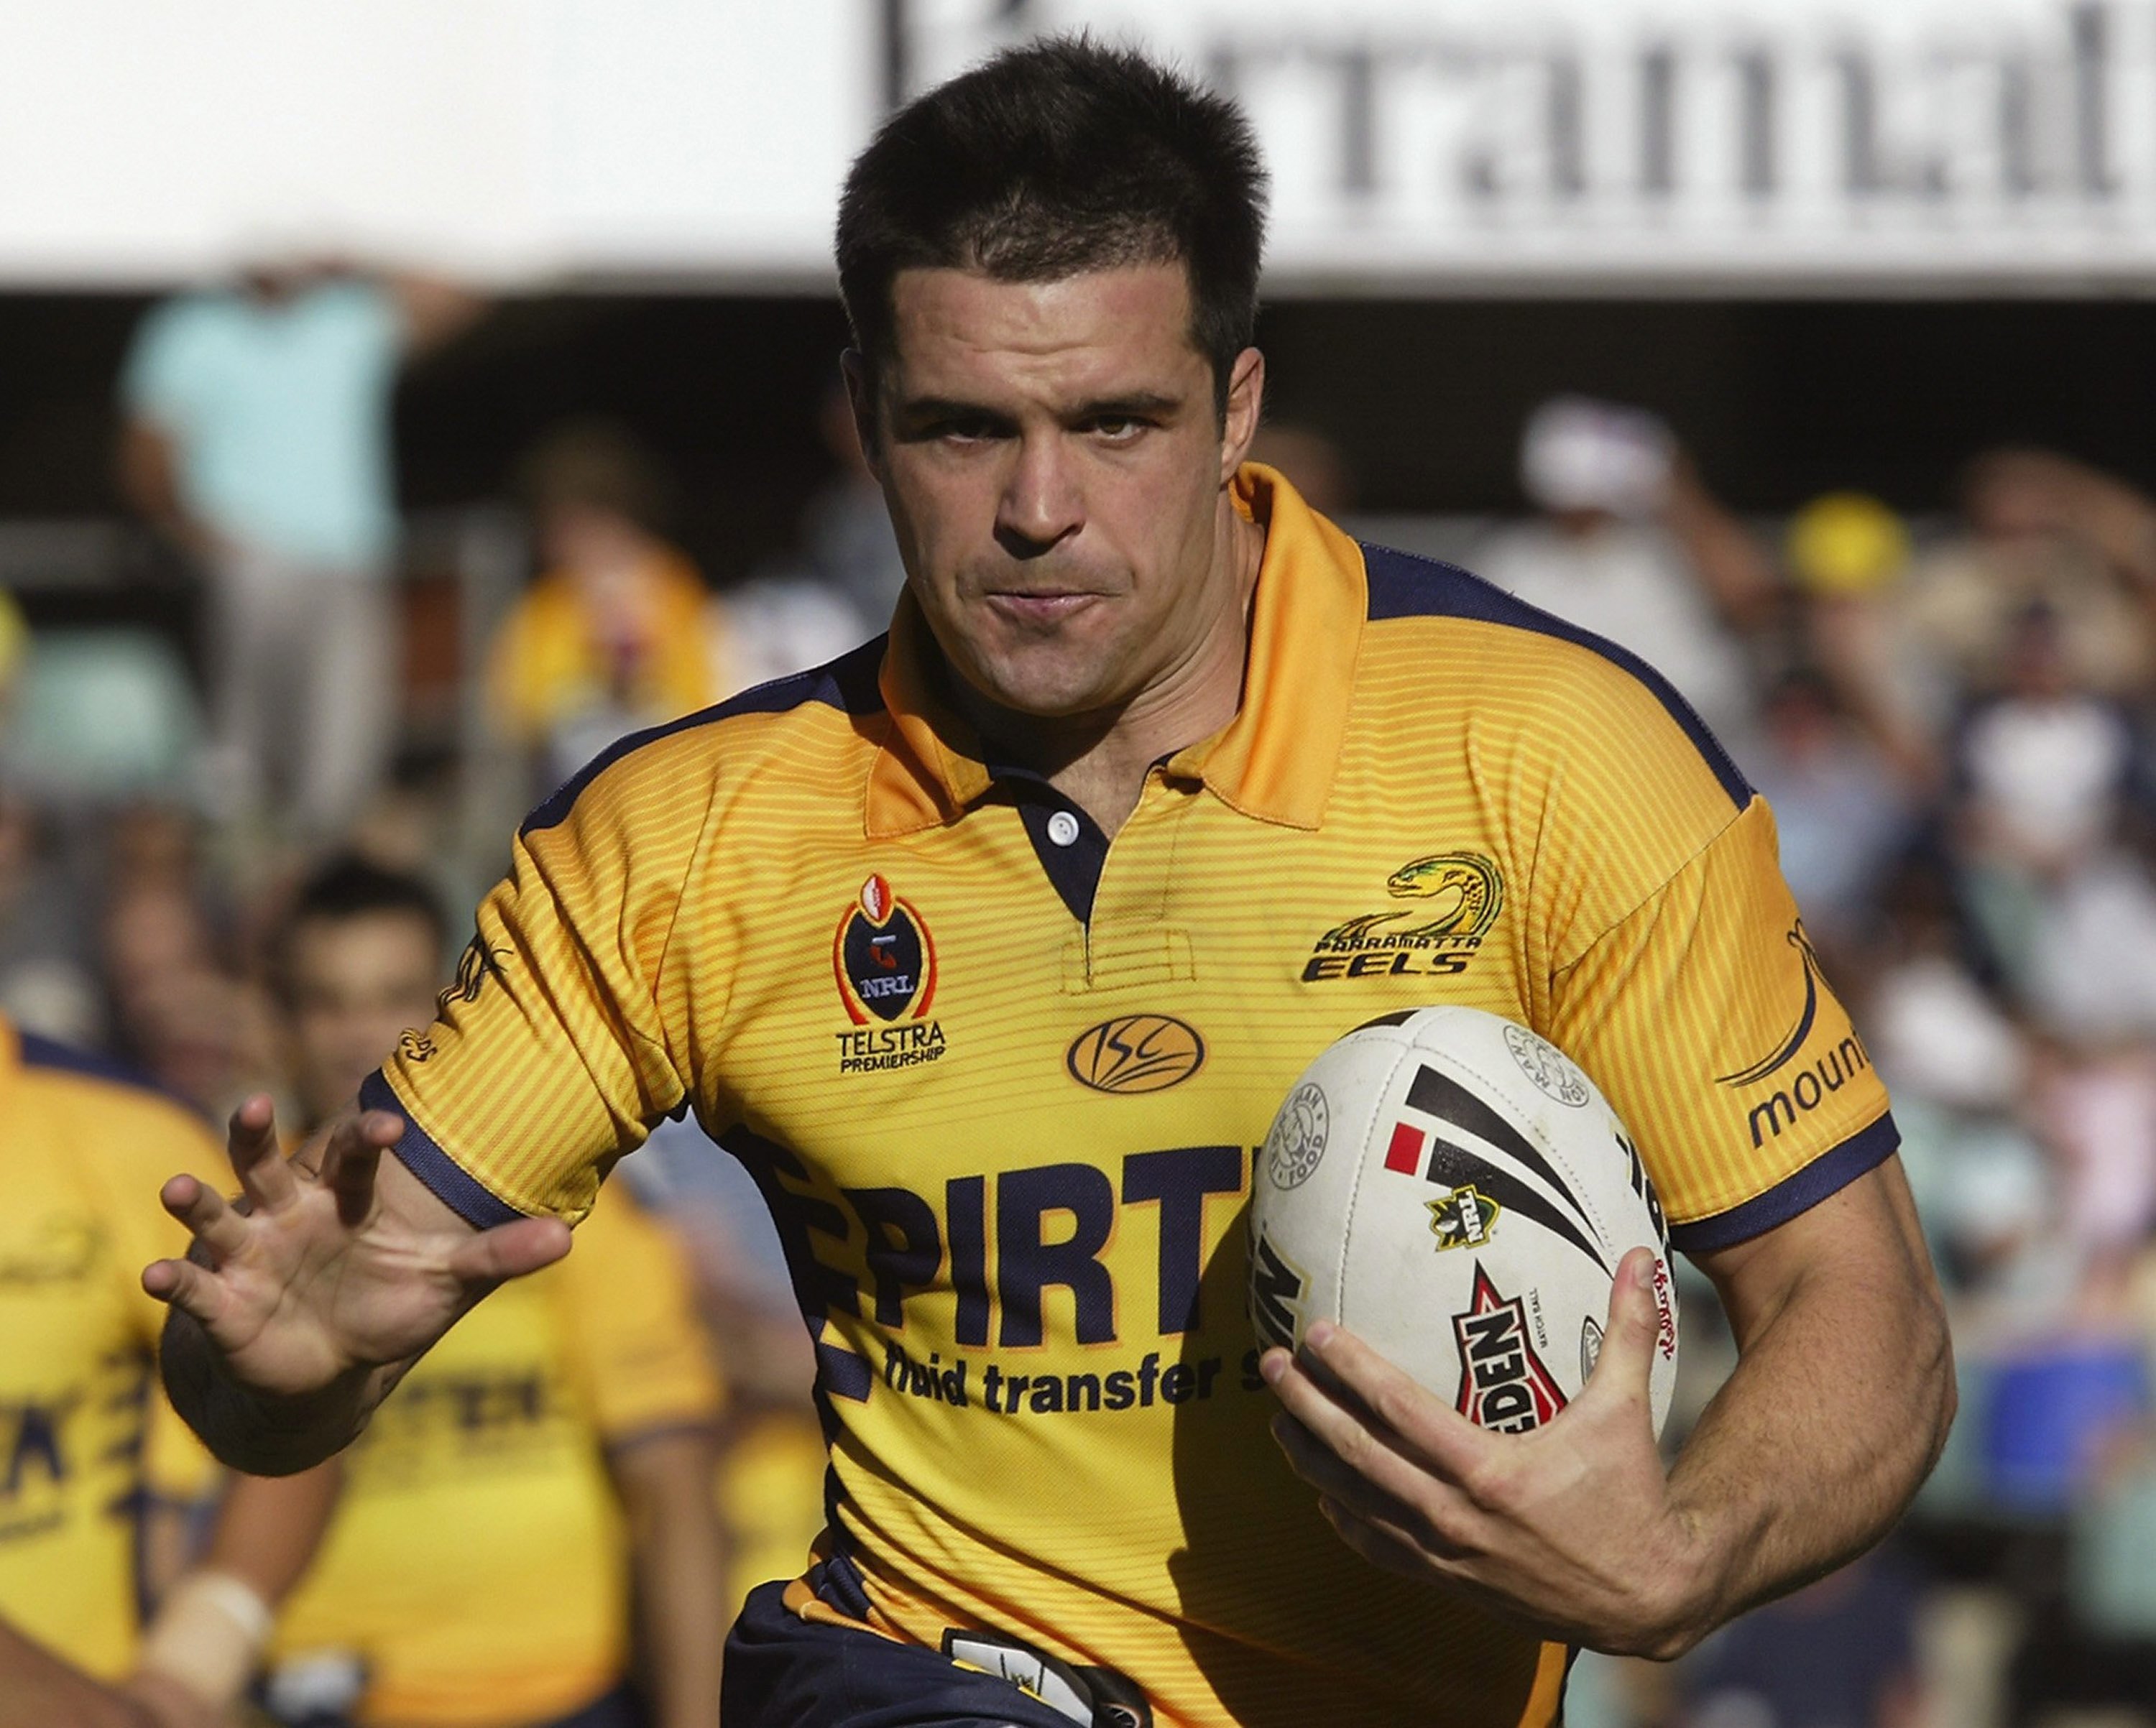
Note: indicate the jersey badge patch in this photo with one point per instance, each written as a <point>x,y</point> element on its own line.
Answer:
<point>1451,900</point>
<point>883,960</point>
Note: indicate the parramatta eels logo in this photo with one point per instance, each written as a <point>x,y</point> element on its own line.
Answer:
<point>1135,1053</point>
<point>1460,894</point>
<point>1802,1087</point>
<point>884,962</point>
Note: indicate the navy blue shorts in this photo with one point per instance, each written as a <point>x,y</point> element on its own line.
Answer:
<point>785,1672</point>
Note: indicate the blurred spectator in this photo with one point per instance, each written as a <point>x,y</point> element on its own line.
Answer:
<point>2039,529</point>
<point>1841,811</point>
<point>543,1467</point>
<point>179,1007</point>
<point>836,589</point>
<point>2044,768</point>
<point>1849,556</point>
<point>1314,464</point>
<point>772,1464</point>
<point>1632,546</point>
<point>48,966</point>
<point>619,631</point>
<point>257,436</point>
<point>103,1481</point>
<point>1839,1653</point>
<point>846,540</point>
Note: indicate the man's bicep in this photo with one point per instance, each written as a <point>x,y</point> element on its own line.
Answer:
<point>1864,1236</point>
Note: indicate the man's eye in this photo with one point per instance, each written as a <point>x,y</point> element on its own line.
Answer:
<point>1118,428</point>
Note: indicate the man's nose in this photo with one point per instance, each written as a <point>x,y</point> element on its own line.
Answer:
<point>1042,504</point>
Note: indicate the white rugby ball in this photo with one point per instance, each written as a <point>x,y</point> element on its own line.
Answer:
<point>1454,1190</point>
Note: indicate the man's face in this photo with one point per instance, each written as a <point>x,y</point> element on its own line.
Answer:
<point>1055,466</point>
<point>356,983</point>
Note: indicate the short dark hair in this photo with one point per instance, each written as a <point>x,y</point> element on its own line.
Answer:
<point>347,886</point>
<point>1049,160</point>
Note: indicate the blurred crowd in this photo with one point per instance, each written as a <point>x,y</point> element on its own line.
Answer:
<point>227,877</point>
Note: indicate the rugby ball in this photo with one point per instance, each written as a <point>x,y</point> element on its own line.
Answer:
<point>1453,1189</point>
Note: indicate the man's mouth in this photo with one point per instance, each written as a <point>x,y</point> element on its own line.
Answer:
<point>1039,607</point>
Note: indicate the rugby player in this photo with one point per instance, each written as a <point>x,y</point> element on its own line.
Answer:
<point>549,1463</point>
<point>99,1480</point>
<point>991,949</point>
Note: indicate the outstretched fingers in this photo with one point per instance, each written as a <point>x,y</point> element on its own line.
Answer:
<point>214,1225</point>
<point>258,1159</point>
<point>185,1285</point>
<point>351,1158</point>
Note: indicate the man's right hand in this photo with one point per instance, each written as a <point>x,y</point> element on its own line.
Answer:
<point>310,1298</point>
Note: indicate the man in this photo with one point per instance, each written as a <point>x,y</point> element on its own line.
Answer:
<point>98,1477</point>
<point>256,436</point>
<point>991,950</point>
<point>548,1461</point>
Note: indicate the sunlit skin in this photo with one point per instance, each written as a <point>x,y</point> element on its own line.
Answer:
<point>352,986</point>
<point>1057,473</point>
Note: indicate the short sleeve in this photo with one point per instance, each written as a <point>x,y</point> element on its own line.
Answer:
<point>157,380</point>
<point>551,1056</point>
<point>638,1347</point>
<point>1705,1020</point>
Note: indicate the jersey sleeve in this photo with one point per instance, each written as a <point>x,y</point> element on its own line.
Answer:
<point>1704,1018</point>
<point>552,1055</point>
<point>637,1344</point>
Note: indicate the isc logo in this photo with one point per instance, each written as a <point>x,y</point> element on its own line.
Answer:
<point>1135,1053</point>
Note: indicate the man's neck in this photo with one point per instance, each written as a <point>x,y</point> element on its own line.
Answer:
<point>1100,761</point>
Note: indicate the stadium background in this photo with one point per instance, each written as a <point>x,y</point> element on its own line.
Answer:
<point>1825,250</point>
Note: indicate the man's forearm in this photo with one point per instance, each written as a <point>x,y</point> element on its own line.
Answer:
<point>1836,1412</point>
<point>262,1435</point>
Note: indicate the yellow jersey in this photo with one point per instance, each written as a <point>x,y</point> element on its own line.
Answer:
<point>85,1432</point>
<point>1000,1078</point>
<point>477,1566</point>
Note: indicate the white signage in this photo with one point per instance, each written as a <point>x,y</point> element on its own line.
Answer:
<point>1417,146</point>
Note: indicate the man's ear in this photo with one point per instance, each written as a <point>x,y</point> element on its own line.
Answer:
<point>861,397</point>
<point>1246,402</point>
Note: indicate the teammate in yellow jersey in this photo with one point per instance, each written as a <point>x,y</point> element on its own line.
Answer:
<point>97,1474</point>
<point>991,950</point>
<point>550,1459</point>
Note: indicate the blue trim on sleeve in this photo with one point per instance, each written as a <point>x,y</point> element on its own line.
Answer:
<point>447,1180</point>
<point>1404,584</point>
<point>848,683</point>
<point>1864,1150</point>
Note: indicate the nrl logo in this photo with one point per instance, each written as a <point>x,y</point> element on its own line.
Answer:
<point>1463,1218</point>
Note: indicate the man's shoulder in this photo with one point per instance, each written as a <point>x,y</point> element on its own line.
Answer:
<point>1513,662</point>
<point>802,726</point>
<point>47,1061</point>
<point>107,1120</point>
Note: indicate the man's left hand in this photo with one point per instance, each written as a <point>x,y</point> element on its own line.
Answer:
<point>1569,1528</point>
